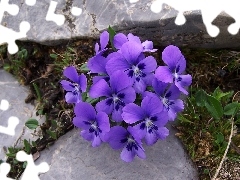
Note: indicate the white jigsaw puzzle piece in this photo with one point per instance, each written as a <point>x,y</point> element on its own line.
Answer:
<point>76,11</point>
<point>210,10</point>
<point>4,105</point>
<point>31,171</point>
<point>12,124</point>
<point>12,121</point>
<point>51,16</point>
<point>4,170</point>
<point>8,35</point>
<point>30,2</point>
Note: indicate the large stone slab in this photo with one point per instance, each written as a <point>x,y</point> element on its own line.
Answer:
<point>125,17</point>
<point>15,94</point>
<point>72,158</point>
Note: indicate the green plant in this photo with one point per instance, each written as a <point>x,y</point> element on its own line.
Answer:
<point>207,124</point>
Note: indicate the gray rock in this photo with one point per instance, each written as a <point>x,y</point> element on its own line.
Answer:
<point>124,17</point>
<point>15,94</point>
<point>72,158</point>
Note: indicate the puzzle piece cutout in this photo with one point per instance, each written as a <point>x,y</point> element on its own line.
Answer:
<point>30,173</point>
<point>32,170</point>
<point>51,16</point>
<point>210,10</point>
<point>4,170</point>
<point>8,35</point>
<point>30,2</point>
<point>12,121</point>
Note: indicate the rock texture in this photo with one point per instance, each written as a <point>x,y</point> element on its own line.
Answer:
<point>123,17</point>
<point>15,94</point>
<point>72,157</point>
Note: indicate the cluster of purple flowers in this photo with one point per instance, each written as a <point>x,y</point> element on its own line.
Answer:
<point>136,97</point>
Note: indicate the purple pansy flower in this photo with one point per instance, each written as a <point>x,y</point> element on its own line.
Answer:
<point>98,65</point>
<point>74,88</point>
<point>117,95</point>
<point>119,138</point>
<point>104,38</point>
<point>176,65</point>
<point>94,126</point>
<point>132,61</point>
<point>169,97</point>
<point>120,38</point>
<point>150,118</point>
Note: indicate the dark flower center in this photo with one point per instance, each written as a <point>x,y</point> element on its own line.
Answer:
<point>167,103</point>
<point>93,127</point>
<point>137,72</point>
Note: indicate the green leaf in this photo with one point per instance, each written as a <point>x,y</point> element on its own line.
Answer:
<point>54,56</point>
<point>32,123</point>
<point>219,94</point>
<point>219,138</point>
<point>84,68</point>
<point>201,98</point>
<point>232,108</point>
<point>214,107</point>
<point>6,67</point>
<point>112,33</point>
<point>27,146</point>
<point>52,134</point>
<point>34,144</point>
<point>24,164</point>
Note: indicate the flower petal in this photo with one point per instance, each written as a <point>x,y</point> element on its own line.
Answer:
<point>105,106</point>
<point>83,82</point>
<point>103,121</point>
<point>99,89</point>
<point>159,86</point>
<point>85,111</point>
<point>87,135</point>
<point>151,138</point>
<point>171,55</point>
<point>149,64</point>
<point>177,105</point>
<point>97,64</point>
<point>132,113</point>
<point>162,132</point>
<point>139,131</point>
<point>129,95</point>
<point>173,92</point>
<point>116,135</point>
<point>71,73</point>
<point>181,65</point>
<point>139,86</point>
<point>119,39</point>
<point>148,46</point>
<point>104,38</point>
<point>73,98</point>
<point>127,155</point>
<point>96,48</point>
<point>151,105</point>
<point>96,141</point>
<point>67,85</point>
<point>97,78</point>
<point>133,38</point>
<point>81,123</point>
<point>161,119</point>
<point>164,74</point>
<point>186,80</point>
<point>131,50</point>
<point>119,81</point>
<point>118,62</point>
<point>117,115</point>
<point>140,152</point>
